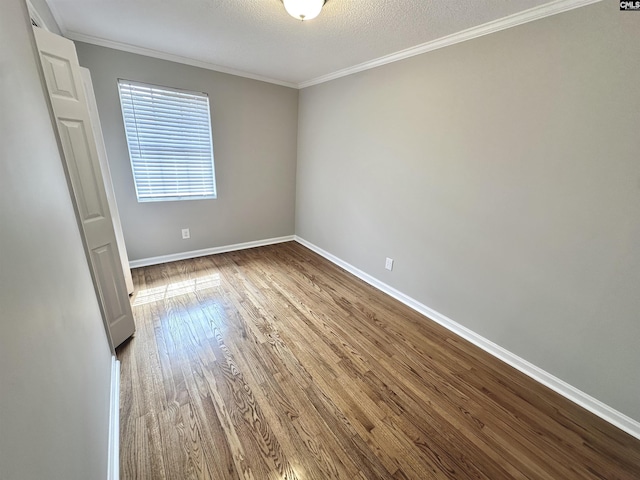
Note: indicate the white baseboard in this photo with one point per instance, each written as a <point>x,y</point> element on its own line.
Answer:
<point>113,472</point>
<point>144,262</point>
<point>620,420</point>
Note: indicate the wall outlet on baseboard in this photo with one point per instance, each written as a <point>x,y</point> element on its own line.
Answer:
<point>388,264</point>
<point>186,233</point>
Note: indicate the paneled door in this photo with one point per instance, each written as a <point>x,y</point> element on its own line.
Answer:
<point>106,175</point>
<point>73,122</point>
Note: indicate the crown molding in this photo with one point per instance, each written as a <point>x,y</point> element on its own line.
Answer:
<point>125,47</point>
<point>536,13</point>
<point>57,17</point>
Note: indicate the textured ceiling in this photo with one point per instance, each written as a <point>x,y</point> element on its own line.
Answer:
<point>258,36</point>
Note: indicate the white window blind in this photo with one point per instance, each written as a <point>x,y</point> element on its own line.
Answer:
<point>169,137</point>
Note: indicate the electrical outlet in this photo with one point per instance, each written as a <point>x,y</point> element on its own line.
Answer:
<point>186,233</point>
<point>388,264</point>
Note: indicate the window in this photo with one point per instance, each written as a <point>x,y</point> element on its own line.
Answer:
<point>169,137</point>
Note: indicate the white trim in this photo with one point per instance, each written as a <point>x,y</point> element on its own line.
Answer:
<point>125,47</point>
<point>530,15</point>
<point>144,262</point>
<point>620,420</point>
<point>516,19</point>
<point>36,17</point>
<point>113,472</point>
<point>57,17</point>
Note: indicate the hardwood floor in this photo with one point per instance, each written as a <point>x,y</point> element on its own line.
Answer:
<point>273,363</point>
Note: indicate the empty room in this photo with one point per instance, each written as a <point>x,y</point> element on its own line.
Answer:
<point>319,239</point>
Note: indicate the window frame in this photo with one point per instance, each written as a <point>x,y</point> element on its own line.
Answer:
<point>138,181</point>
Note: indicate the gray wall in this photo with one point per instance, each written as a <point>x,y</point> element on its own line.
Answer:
<point>55,361</point>
<point>254,127</point>
<point>503,176</point>
<point>44,11</point>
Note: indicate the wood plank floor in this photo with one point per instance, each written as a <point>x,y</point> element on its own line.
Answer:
<point>272,363</point>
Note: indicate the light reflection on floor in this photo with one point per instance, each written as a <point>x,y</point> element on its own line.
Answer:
<point>176,289</point>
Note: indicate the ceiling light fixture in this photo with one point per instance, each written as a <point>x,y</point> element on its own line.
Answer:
<point>303,9</point>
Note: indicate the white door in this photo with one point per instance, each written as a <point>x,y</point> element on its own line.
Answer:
<point>64,84</point>
<point>106,174</point>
